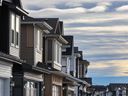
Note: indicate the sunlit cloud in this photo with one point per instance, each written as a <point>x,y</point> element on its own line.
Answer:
<point>122,8</point>
<point>112,68</point>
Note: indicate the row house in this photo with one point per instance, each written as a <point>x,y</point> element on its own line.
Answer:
<point>71,57</point>
<point>113,89</point>
<point>30,75</point>
<point>10,14</point>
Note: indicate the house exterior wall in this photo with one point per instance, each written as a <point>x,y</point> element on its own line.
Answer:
<point>52,81</point>
<point>66,60</point>
<point>4,29</point>
<point>37,53</point>
<point>27,43</point>
<point>5,75</point>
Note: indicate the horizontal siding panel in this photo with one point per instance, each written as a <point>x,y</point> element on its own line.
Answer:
<point>14,51</point>
<point>32,76</point>
<point>5,70</point>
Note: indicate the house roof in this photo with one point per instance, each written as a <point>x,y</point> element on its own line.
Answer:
<point>69,77</point>
<point>38,21</point>
<point>99,87</point>
<point>15,5</point>
<point>113,86</point>
<point>35,69</point>
<point>53,22</point>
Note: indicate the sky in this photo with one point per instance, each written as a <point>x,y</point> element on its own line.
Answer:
<point>100,29</point>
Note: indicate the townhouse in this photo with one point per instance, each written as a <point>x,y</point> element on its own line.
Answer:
<point>10,14</point>
<point>71,57</point>
<point>30,74</point>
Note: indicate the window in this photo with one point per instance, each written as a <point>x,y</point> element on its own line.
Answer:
<point>49,50</point>
<point>58,52</point>
<point>31,88</point>
<point>39,40</point>
<point>15,29</point>
<point>56,90</point>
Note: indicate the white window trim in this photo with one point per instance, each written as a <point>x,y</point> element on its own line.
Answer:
<point>15,30</point>
<point>56,50</point>
<point>39,41</point>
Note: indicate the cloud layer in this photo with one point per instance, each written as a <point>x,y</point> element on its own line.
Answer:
<point>100,30</point>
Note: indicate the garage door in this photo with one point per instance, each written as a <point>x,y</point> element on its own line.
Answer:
<point>1,87</point>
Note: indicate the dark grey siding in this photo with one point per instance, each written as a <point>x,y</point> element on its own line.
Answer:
<point>4,29</point>
<point>27,42</point>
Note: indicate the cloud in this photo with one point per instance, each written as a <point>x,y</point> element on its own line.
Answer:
<point>98,19</point>
<point>109,68</point>
<point>101,7</point>
<point>104,28</point>
<point>73,4</point>
<point>122,8</point>
<point>56,12</point>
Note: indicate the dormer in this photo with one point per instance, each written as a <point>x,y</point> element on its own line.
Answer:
<point>53,44</point>
<point>10,15</point>
<point>32,32</point>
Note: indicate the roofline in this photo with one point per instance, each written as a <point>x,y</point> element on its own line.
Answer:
<point>21,10</point>
<point>69,77</point>
<point>84,62</point>
<point>41,69</point>
<point>59,37</point>
<point>10,58</point>
<point>38,22</point>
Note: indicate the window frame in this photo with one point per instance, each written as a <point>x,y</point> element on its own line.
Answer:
<point>39,40</point>
<point>14,30</point>
<point>58,52</point>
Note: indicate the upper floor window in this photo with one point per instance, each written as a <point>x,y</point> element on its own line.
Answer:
<point>39,40</point>
<point>15,29</point>
<point>58,52</point>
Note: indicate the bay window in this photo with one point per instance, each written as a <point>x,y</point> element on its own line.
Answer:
<point>15,29</point>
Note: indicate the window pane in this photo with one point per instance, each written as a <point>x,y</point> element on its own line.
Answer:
<point>12,36</point>
<point>12,21</point>
<point>17,38</point>
<point>49,50</point>
<point>17,23</point>
<point>39,40</point>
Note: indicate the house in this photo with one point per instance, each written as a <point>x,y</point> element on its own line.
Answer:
<point>30,76</point>
<point>53,46</point>
<point>117,89</point>
<point>10,13</point>
<point>70,65</point>
<point>99,90</point>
